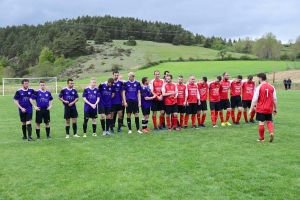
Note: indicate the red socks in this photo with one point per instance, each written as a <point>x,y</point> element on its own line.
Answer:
<point>239,116</point>
<point>186,119</point>
<point>175,119</point>
<point>270,126</point>
<point>213,117</point>
<point>199,118</point>
<point>261,131</point>
<point>154,121</point>
<point>252,115</point>
<point>181,120</point>
<point>221,116</point>
<point>216,118</point>
<point>245,116</point>
<point>233,116</point>
<point>193,120</point>
<point>161,120</point>
<point>168,121</point>
<point>203,118</point>
<point>227,115</point>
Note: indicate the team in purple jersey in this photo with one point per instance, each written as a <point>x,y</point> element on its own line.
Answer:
<point>43,105</point>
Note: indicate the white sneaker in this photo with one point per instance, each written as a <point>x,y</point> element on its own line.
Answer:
<point>67,136</point>
<point>139,131</point>
<point>107,132</point>
<point>130,131</point>
<point>76,135</point>
<point>104,133</point>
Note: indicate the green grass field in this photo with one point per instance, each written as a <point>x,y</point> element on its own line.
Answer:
<point>211,163</point>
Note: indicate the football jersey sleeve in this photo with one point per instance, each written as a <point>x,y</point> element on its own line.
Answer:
<point>151,85</point>
<point>274,95</point>
<point>34,95</point>
<point>256,94</point>
<point>186,90</point>
<point>84,93</point>
<point>163,89</point>
<point>61,94</point>
<point>76,94</point>
<point>198,93</point>
<point>50,96</point>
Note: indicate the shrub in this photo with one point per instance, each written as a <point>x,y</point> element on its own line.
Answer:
<point>116,67</point>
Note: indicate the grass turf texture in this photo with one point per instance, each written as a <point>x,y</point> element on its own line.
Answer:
<point>211,163</point>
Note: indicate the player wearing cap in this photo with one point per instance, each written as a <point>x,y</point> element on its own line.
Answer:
<point>181,88</point>
<point>235,99</point>
<point>224,101</point>
<point>203,89</point>
<point>248,89</point>
<point>214,99</point>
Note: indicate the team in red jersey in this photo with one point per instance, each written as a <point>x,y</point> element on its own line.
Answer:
<point>235,99</point>
<point>265,100</point>
<point>224,101</point>
<point>192,100</point>
<point>248,89</point>
<point>181,99</point>
<point>214,99</point>
<point>170,93</point>
<point>203,90</point>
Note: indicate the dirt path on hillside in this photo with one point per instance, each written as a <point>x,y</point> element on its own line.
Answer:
<point>294,75</point>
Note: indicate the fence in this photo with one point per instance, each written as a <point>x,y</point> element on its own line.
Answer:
<point>280,86</point>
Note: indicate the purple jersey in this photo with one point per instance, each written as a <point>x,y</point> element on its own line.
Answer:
<point>42,98</point>
<point>105,95</point>
<point>91,95</point>
<point>118,92</point>
<point>23,97</point>
<point>131,90</point>
<point>146,92</point>
<point>68,95</point>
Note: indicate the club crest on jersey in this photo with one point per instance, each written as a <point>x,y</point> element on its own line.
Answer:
<point>118,85</point>
<point>94,92</point>
<point>134,85</point>
<point>109,88</point>
<point>46,95</point>
<point>28,92</point>
<point>40,95</point>
<point>72,92</point>
<point>66,92</point>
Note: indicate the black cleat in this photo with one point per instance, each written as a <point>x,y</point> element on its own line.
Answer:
<point>203,126</point>
<point>252,121</point>
<point>24,138</point>
<point>30,139</point>
<point>122,125</point>
<point>237,123</point>
<point>271,137</point>
<point>38,138</point>
<point>246,122</point>
<point>185,127</point>
<point>49,138</point>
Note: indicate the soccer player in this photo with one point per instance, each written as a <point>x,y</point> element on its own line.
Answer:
<point>192,100</point>
<point>44,101</point>
<point>170,92</point>
<point>224,101</point>
<point>123,107</point>
<point>166,73</point>
<point>21,99</point>
<point>248,89</point>
<point>181,99</point>
<point>158,104</point>
<point>106,91</point>
<point>117,107</point>
<point>235,99</point>
<point>146,100</point>
<point>132,101</point>
<point>214,99</point>
<point>266,103</point>
<point>68,96</point>
<point>203,89</point>
<point>91,98</point>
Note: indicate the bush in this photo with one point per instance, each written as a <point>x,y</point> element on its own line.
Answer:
<point>180,58</point>
<point>116,67</point>
<point>284,57</point>
<point>191,59</point>
<point>92,66</point>
<point>245,57</point>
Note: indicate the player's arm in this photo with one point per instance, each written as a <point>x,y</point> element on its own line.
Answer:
<point>254,99</point>
<point>61,97</point>
<point>33,97</point>
<point>75,100</point>
<point>139,95</point>
<point>198,97</point>
<point>163,91</point>
<point>124,98</point>
<point>186,103</point>
<point>176,91</point>
<point>112,95</point>
<point>275,102</point>
<point>50,102</point>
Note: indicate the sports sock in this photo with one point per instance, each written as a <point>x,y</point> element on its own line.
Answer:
<point>154,121</point>
<point>181,120</point>
<point>111,124</point>
<point>129,123</point>
<point>48,131</point>
<point>168,121</point>
<point>175,120</point>
<point>239,116</point>
<point>102,124</point>
<point>74,126</point>
<point>120,122</point>
<point>186,120</point>
<point>24,130</point>
<point>233,116</point>
<point>94,128</point>
<point>199,118</point>
<point>270,126</point>
<point>37,131</point>
<point>146,123</point>
<point>252,115</point>
<point>107,124</point>
<point>245,116</point>
<point>137,123</point>
<point>261,131</point>
<point>29,130</point>
<point>221,116</point>
<point>216,117</point>
<point>203,118</point>
<point>143,124</point>
<point>68,130</point>
<point>193,120</point>
<point>84,126</point>
<point>213,117</point>
<point>115,118</point>
<point>161,120</point>
<point>228,113</point>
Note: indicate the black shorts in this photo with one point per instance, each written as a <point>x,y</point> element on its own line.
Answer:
<point>132,107</point>
<point>70,113</point>
<point>88,115</point>
<point>157,105</point>
<point>116,107</point>
<point>171,109</point>
<point>236,101</point>
<point>181,109</point>
<point>214,106</point>
<point>103,110</point>
<point>25,117</point>
<point>224,104</point>
<point>263,117</point>
<point>246,103</point>
<point>202,106</point>
<point>146,111</point>
<point>191,108</point>
<point>42,114</point>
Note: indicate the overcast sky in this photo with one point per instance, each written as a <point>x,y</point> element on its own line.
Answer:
<point>222,18</point>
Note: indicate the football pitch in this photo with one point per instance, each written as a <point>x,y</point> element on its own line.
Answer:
<point>210,163</point>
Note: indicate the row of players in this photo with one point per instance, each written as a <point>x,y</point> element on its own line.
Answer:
<point>158,95</point>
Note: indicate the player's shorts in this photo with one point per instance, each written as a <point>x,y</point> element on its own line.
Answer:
<point>132,106</point>
<point>42,114</point>
<point>157,105</point>
<point>224,104</point>
<point>92,115</point>
<point>181,109</point>
<point>103,110</point>
<point>146,111</point>
<point>25,117</point>
<point>171,109</point>
<point>202,106</point>
<point>116,107</point>
<point>214,106</point>
<point>263,117</point>
<point>246,103</point>
<point>191,108</point>
<point>236,101</point>
<point>70,113</point>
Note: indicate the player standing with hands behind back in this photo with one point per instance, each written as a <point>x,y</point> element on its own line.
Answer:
<point>266,104</point>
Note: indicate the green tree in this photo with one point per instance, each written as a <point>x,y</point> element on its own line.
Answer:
<point>46,55</point>
<point>60,61</point>
<point>222,54</point>
<point>4,62</point>
<point>176,40</point>
<point>45,69</point>
<point>100,36</point>
<point>131,41</point>
<point>207,43</point>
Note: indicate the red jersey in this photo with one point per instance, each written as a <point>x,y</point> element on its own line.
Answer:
<point>248,89</point>
<point>214,92</point>
<point>203,88</point>
<point>169,88</point>
<point>236,88</point>
<point>156,86</point>
<point>192,93</point>
<point>265,95</point>
<point>224,87</point>
<point>181,94</point>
